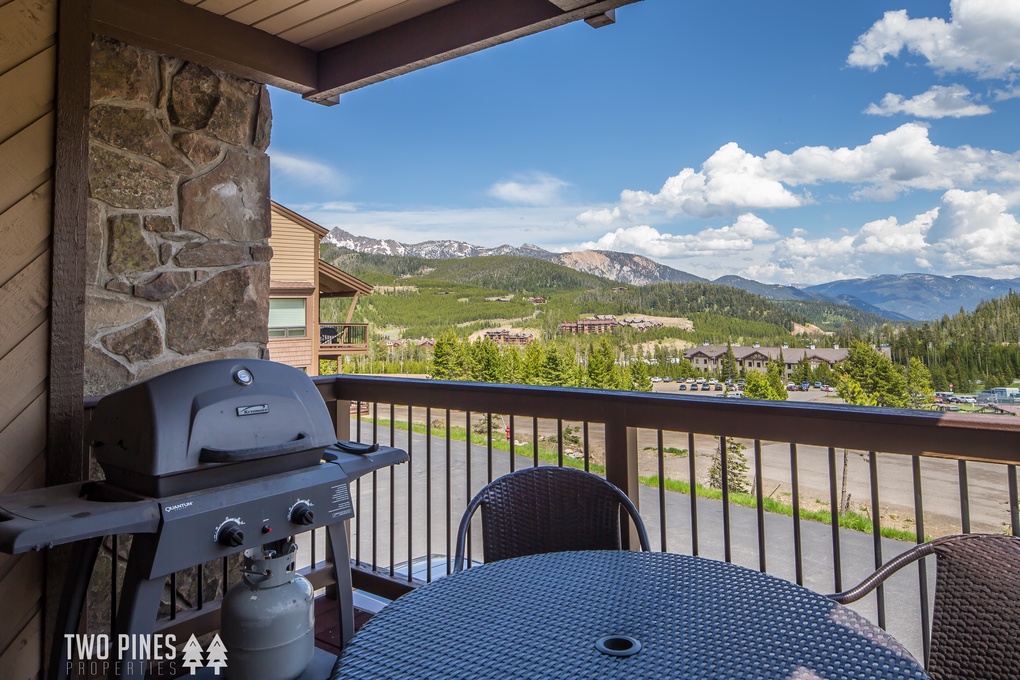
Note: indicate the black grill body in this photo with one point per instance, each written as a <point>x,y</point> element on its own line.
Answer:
<point>201,463</point>
<point>209,424</point>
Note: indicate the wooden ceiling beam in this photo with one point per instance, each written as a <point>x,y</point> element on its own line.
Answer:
<point>181,30</point>
<point>451,31</point>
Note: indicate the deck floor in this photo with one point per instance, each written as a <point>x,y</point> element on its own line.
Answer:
<point>327,625</point>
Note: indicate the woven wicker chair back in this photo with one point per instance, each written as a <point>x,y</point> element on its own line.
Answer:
<point>975,631</point>
<point>549,509</point>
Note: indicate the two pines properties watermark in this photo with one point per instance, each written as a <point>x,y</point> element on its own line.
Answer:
<point>93,655</point>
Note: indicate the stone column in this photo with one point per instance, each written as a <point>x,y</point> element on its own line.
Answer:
<point>178,256</point>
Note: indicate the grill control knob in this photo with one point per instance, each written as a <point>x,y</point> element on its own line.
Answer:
<point>230,535</point>
<point>302,514</point>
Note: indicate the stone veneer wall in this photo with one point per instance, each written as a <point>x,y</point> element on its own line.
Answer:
<point>177,251</point>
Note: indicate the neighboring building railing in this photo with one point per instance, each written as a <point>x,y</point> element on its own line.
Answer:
<point>922,473</point>
<point>343,338</point>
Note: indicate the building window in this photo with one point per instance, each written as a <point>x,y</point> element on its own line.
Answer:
<point>287,318</point>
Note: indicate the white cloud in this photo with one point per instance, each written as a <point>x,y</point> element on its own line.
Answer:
<point>307,171</point>
<point>733,181</point>
<point>742,235</point>
<point>973,230</point>
<point>533,189</point>
<point>889,237</point>
<point>730,180</point>
<point>981,38</point>
<point>970,232</point>
<point>953,101</point>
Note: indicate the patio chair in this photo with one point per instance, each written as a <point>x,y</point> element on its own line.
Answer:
<point>975,622</point>
<point>547,509</point>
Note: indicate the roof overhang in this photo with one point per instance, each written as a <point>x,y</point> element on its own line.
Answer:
<point>324,48</point>
<point>335,282</point>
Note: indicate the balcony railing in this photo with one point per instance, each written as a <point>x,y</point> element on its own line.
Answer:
<point>922,473</point>
<point>343,338</point>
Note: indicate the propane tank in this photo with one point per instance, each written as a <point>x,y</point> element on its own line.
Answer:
<point>268,619</point>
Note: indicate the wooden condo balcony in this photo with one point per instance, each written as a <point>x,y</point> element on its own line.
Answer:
<point>829,492</point>
<point>337,339</point>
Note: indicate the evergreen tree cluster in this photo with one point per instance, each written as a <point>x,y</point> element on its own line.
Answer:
<point>963,349</point>
<point>601,367</point>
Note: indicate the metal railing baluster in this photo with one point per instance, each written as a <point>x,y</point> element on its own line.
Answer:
<point>724,476</point>
<point>661,458</point>
<point>798,544</point>
<point>559,442</point>
<point>922,573</point>
<point>834,513</point>
<point>587,449</point>
<point>876,531</point>
<point>759,504</point>
<point>393,490</point>
<point>410,490</point>
<point>1014,504</point>
<point>428,493</point>
<point>964,497</point>
<point>449,495</point>
<point>693,477</point>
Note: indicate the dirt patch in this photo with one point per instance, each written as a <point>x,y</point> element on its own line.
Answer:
<point>809,329</point>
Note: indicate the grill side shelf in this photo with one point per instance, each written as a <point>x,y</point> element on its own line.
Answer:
<point>42,518</point>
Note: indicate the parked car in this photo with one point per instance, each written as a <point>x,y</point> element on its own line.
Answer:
<point>682,387</point>
<point>818,384</point>
<point>699,380</point>
<point>791,387</point>
<point>718,387</point>
<point>805,386</point>
<point>705,387</point>
<point>667,379</point>
<point>828,388</point>
<point>735,394</point>
<point>656,379</point>
<point>966,399</point>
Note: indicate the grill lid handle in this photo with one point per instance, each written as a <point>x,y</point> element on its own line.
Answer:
<point>211,455</point>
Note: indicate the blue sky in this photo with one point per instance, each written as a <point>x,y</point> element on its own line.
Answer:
<point>794,142</point>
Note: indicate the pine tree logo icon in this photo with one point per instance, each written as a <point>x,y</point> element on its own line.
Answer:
<point>192,656</point>
<point>216,655</point>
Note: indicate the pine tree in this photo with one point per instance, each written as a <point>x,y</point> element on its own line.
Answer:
<point>446,359</point>
<point>531,364</point>
<point>639,378</point>
<point>485,364</point>
<point>602,366</point>
<point>920,393</point>
<point>557,369</point>
<point>728,365</point>
<point>736,465</point>
<point>774,376</point>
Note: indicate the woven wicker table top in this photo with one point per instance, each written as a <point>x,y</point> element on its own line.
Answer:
<point>540,617</point>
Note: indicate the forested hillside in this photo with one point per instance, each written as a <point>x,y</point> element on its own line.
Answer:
<point>438,294</point>
<point>966,347</point>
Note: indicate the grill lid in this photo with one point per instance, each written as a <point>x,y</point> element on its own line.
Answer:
<point>208,424</point>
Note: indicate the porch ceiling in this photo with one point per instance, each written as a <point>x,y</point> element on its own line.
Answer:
<point>322,48</point>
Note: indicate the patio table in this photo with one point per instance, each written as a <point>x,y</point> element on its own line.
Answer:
<point>544,616</point>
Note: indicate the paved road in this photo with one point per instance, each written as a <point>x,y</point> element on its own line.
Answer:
<point>423,520</point>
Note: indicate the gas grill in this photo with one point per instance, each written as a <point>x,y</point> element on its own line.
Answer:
<point>200,463</point>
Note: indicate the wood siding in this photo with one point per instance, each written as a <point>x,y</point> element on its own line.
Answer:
<point>295,251</point>
<point>296,352</point>
<point>27,84</point>
<point>296,258</point>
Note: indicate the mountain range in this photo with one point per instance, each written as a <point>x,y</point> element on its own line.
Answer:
<point>898,297</point>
